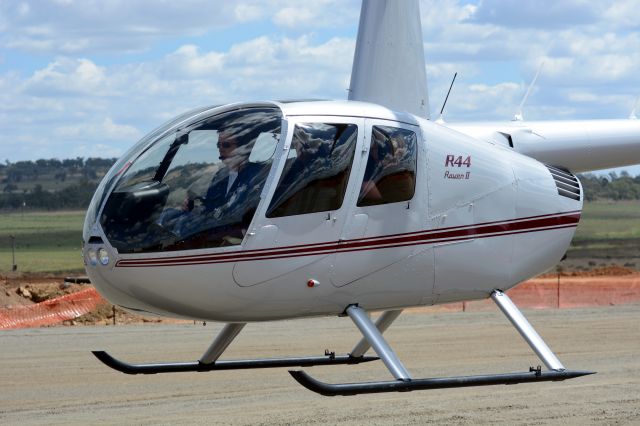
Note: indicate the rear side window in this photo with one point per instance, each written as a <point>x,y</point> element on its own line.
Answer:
<point>315,175</point>
<point>390,176</point>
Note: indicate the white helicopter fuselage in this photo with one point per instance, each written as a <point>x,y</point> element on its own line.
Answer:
<point>482,217</point>
<point>278,210</point>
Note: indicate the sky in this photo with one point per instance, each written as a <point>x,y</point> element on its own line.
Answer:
<point>88,78</point>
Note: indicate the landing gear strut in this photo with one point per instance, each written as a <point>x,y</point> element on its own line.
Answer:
<point>403,381</point>
<point>372,338</point>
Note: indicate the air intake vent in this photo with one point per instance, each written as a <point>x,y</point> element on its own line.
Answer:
<point>567,184</point>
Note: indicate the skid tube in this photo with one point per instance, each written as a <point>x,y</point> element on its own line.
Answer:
<point>345,389</point>
<point>180,367</point>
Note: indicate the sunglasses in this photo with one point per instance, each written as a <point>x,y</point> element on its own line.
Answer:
<point>226,144</point>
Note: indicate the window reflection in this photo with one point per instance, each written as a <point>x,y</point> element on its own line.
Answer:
<point>317,169</point>
<point>391,167</point>
<point>196,188</point>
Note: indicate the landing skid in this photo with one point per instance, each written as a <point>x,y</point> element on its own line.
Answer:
<point>198,366</point>
<point>403,381</point>
<point>372,338</point>
<point>209,360</point>
<point>328,389</point>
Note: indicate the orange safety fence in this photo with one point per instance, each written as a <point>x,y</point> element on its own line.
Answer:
<point>568,292</point>
<point>538,293</point>
<point>52,311</point>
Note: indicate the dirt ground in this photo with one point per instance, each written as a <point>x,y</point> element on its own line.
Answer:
<point>48,375</point>
<point>19,290</point>
<point>29,289</point>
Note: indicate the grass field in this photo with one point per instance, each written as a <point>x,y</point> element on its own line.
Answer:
<point>609,221</point>
<point>609,231</point>
<point>44,241</point>
<point>51,242</point>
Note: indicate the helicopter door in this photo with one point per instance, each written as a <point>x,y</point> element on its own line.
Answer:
<point>391,201</point>
<point>304,209</point>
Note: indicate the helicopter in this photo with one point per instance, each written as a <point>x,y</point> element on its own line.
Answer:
<point>271,210</point>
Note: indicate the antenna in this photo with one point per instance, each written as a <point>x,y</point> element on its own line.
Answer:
<point>633,116</point>
<point>440,119</point>
<point>519,115</point>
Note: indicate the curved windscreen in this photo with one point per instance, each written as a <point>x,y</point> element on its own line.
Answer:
<point>122,164</point>
<point>194,188</point>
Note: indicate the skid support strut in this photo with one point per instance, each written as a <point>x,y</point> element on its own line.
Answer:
<point>404,383</point>
<point>383,322</point>
<point>525,329</point>
<point>222,341</point>
<point>375,339</point>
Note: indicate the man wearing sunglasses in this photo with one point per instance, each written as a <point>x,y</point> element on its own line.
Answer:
<point>226,208</point>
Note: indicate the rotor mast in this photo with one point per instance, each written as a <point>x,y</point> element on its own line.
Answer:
<point>389,64</point>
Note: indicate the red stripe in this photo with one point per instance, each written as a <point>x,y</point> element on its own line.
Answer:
<point>330,244</point>
<point>485,230</point>
<point>288,256</point>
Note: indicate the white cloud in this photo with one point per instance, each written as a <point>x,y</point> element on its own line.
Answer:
<point>533,14</point>
<point>105,129</point>
<point>582,97</point>
<point>67,76</point>
<point>91,26</point>
<point>247,12</point>
<point>188,61</point>
<point>94,87</point>
<point>294,16</point>
<point>319,13</point>
<point>75,102</point>
<point>23,9</point>
<point>624,13</point>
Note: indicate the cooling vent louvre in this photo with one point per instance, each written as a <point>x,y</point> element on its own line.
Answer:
<point>567,184</point>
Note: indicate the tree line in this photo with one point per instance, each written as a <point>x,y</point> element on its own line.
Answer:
<point>14,173</point>
<point>52,184</point>
<point>610,187</point>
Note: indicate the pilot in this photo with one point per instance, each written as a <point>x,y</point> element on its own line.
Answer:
<point>235,174</point>
<point>224,212</point>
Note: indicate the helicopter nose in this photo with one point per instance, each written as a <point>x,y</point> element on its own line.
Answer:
<point>99,260</point>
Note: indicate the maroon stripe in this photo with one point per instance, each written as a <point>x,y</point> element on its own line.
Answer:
<point>513,226</point>
<point>308,250</point>
<point>314,248</point>
<point>470,232</point>
<point>288,256</point>
<point>331,245</point>
<point>573,212</point>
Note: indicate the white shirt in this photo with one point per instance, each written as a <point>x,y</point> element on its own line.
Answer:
<point>233,174</point>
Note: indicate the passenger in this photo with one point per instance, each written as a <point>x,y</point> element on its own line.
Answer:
<point>369,192</point>
<point>299,184</point>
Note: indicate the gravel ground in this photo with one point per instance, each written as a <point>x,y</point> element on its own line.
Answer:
<point>48,375</point>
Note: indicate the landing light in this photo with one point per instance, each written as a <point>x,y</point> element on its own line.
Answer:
<point>103,256</point>
<point>92,256</point>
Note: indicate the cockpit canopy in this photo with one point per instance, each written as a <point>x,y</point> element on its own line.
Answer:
<point>197,182</point>
<point>195,187</point>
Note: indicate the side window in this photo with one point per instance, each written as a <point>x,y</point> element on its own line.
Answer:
<point>390,176</point>
<point>316,171</point>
